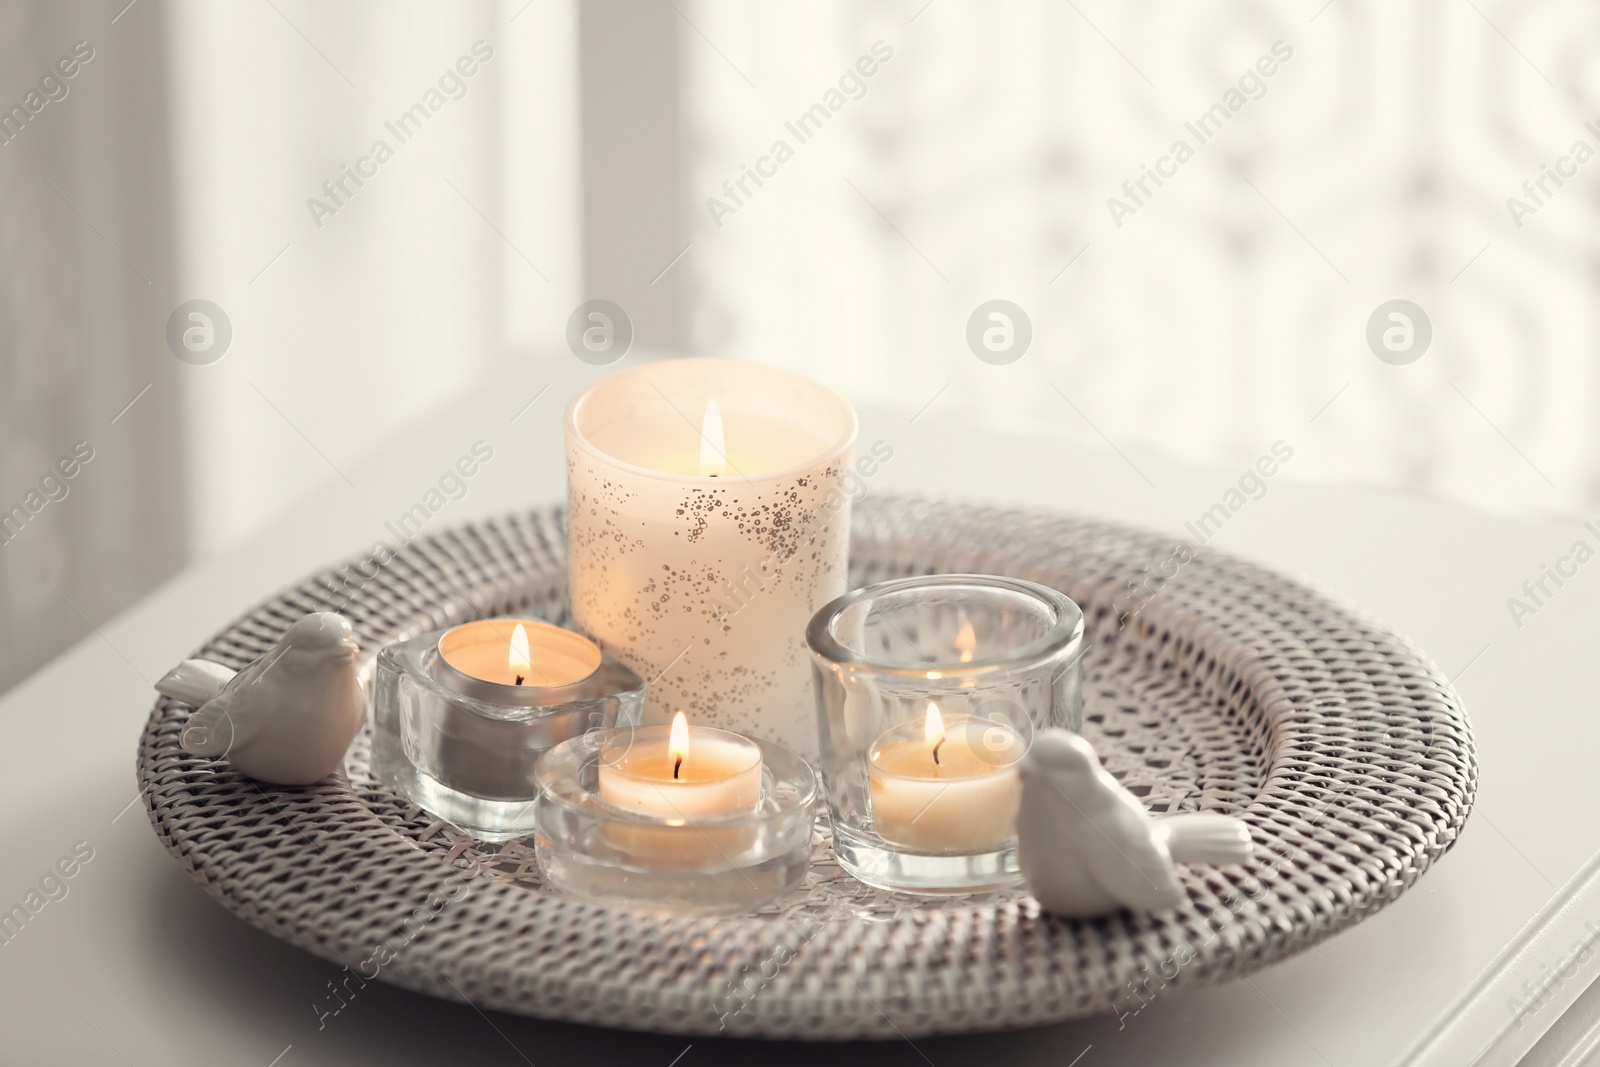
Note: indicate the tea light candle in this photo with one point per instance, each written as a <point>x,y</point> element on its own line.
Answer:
<point>516,661</point>
<point>945,788</point>
<point>707,521</point>
<point>687,773</point>
<point>688,819</point>
<point>462,715</point>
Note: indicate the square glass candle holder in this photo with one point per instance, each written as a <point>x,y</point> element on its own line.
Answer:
<point>929,690</point>
<point>610,828</point>
<point>462,744</point>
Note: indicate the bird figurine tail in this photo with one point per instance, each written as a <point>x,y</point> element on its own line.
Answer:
<point>208,732</point>
<point>1202,837</point>
<point>195,681</point>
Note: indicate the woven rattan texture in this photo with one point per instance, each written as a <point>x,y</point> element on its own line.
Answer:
<point>1221,686</point>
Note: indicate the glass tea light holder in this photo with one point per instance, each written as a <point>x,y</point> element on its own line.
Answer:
<point>929,690</point>
<point>708,518</point>
<point>691,818</point>
<point>461,716</point>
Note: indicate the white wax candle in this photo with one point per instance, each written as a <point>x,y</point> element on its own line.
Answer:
<point>519,652</point>
<point>941,787</point>
<point>697,561</point>
<point>702,772</point>
<point>681,775</point>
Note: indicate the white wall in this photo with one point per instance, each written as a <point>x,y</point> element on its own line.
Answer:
<point>415,287</point>
<point>86,277</point>
<point>178,167</point>
<point>1231,307</point>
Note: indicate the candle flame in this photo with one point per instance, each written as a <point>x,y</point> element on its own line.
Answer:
<point>518,661</point>
<point>933,730</point>
<point>712,446</point>
<point>966,641</point>
<point>678,742</point>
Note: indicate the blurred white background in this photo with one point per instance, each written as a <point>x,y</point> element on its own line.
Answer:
<point>1375,164</point>
<point>588,156</point>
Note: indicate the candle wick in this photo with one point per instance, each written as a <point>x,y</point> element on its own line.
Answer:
<point>676,765</point>
<point>519,679</point>
<point>936,747</point>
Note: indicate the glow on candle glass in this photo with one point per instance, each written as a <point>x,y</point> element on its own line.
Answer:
<point>966,644</point>
<point>713,446</point>
<point>518,662</point>
<point>966,641</point>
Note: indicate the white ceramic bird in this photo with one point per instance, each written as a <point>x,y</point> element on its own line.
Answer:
<point>1086,845</point>
<point>288,717</point>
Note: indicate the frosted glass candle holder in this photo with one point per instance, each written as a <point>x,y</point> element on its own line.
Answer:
<point>708,518</point>
<point>717,851</point>
<point>464,747</point>
<point>928,691</point>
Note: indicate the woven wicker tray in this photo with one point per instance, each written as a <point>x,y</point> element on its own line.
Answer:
<point>1222,687</point>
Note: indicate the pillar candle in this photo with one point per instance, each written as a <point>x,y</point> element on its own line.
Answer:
<point>707,521</point>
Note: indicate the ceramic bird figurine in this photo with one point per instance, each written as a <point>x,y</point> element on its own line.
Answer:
<point>1087,846</point>
<point>288,717</point>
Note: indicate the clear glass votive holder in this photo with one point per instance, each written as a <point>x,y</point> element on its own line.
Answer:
<point>929,690</point>
<point>464,748</point>
<point>593,841</point>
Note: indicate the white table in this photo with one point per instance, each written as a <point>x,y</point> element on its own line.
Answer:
<point>136,964</point>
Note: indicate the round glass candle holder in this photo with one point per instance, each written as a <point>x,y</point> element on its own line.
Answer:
<point>929,690</point>
<point>725,846</point>
<point>464,747</point>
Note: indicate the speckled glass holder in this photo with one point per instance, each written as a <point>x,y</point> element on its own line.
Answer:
<point>465,749</point>
<point>703,582</point>
<point>998,658</point>
<point>722,864</point>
